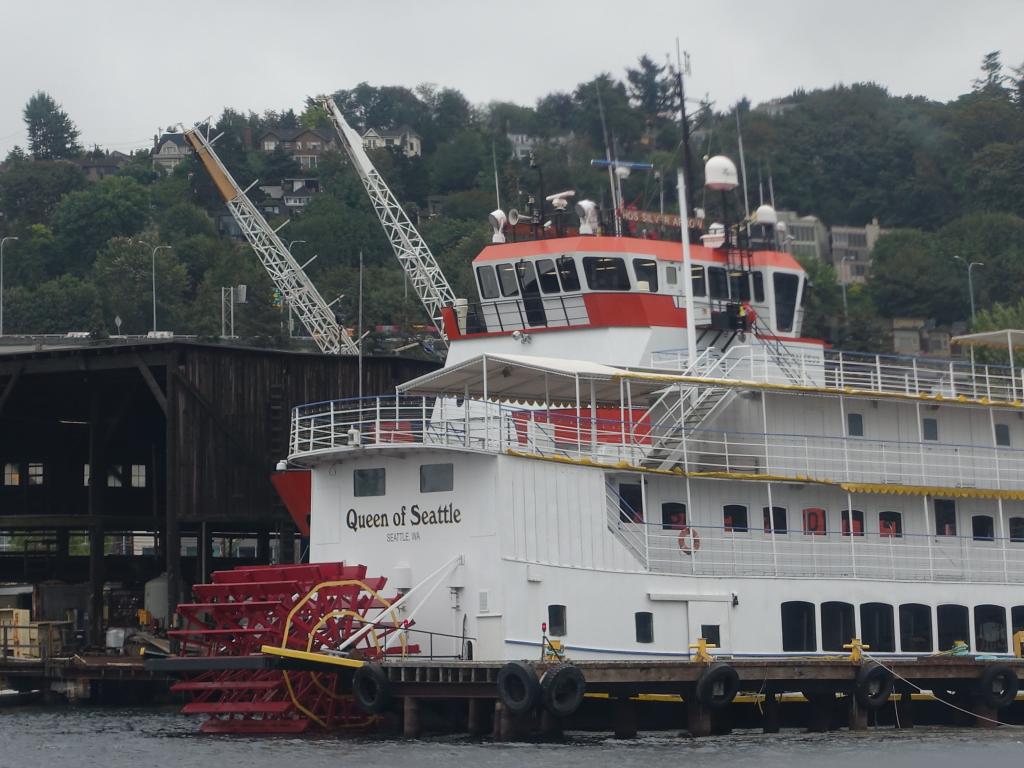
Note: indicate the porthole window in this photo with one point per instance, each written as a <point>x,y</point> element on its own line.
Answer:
<point>556,620</point>
<point>644,621</point>
<point>368,482</point>
<point>436,477</point>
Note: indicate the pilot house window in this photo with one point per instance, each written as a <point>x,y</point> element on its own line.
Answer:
<point>606,273</point>
<point>436,477</point>
<point>368,482</point>
<point>548,276</point>
<point>646,270</point>
<point>567,274</point>
<point>487,281</point>
<point>786,287</point>
<point>507,280</point>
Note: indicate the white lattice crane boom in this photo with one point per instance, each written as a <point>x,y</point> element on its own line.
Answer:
<point>413,254</point>
<point>289,278</point>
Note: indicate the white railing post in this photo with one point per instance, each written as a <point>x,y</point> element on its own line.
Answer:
<point>917,383</point>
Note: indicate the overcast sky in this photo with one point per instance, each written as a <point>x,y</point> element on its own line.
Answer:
<point>124,68</point>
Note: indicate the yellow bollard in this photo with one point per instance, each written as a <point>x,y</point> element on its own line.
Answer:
<point>856,648</point>
<point>1018,644</point>
<point>702,650</point>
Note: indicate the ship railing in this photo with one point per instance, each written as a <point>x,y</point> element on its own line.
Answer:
<point>747,548</point>
<point>627,524</point>
<point>625,438</point>
<point>837,369</point>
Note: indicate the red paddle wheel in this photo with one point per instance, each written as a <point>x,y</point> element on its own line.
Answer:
<point>300,607</point>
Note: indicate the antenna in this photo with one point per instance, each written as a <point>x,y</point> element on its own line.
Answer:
<point>685,124</point>
<point>494,162</point>
<point>608,157</point>
<point>743,169</point>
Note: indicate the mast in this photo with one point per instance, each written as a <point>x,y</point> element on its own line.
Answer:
<point>685,124</point>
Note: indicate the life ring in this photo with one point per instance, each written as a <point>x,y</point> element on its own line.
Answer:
<point>562,689</point>
<point>371,689</point>
<point>689,540</point>
<point>518,688</point>
<point>998,686</point>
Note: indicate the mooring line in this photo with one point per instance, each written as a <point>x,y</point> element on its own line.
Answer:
<point>897,675</point>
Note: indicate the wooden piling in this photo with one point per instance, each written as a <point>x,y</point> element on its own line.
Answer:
<point>698,717</point>
<point>476,716</point>
<point>984,715</point>
<point>411,717</point>
<point>904,710</point>
<point>624,718</point>
<point>772,713</point>
<point>857,714</point>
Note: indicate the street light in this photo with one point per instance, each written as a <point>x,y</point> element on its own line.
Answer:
<point>970,280</point>
<point>2,241</point>
<point>842,283</point>
<point>153,259</point>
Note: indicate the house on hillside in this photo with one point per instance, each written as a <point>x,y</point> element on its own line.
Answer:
<point>404,138</point>
<point>107,164</point>
<point>303,145</point>
<point>851,251</point>
<point>169,149</point>
<point>806,236</point>
<point>297,193</point>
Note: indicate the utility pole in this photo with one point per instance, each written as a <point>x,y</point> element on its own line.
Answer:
<point>970,281</point>
<point>153,263</point>
<point>359,330</point>
<point>2,243</point>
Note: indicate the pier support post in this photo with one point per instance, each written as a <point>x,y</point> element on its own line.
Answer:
<point>411,717</point>
<point>476,716</point>
<point>983,714</point>
<point>624,718</point>
<point>550,725</point>
<point>858,714</point>
<point>905,710</point>
<point>821,710</point>
<point>507,726</point>
<point>698,717</point>
<point>772,713</point>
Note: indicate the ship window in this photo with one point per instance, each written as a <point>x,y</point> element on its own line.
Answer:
<point>945,517</point>
<point>548,275</point>
<point>647,269</point>
<point>758,286</point>
<point>953,625</point>
<point>814,521</point>
<point>718,282</point>
<point>556,620</point>
<point>890,524</point>
<point>930,428</point>
<point>35,473</point>
<point>644,621</point>
<point>982,528</point>
<point>837,627</point>
<point>915,628</point>
<point>1017,618</point>
<point>631,503</point>
<point>876,627</point>
<point>854,425</point>
<point>606,273</point>
<point>698,281</point>
<point>739,285</point>
<point>436,477</point>
<point>779,513</point>
<point>990,628</point>
<point>1003,435</point>
<point>786,287</point>
<point>673,516</point>
<point>368,482</point>
<point>507,279</point>
<point>567,274</point>
<point>12,474</point>
<point>671,275</point>
<point>1017,529</point>
<point>487,281</point>
<point>858,522</point>
<point>798,626</point>
<point>712,633</point>
<point>734,518</point>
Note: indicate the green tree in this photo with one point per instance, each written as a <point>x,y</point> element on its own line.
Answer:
<point>85,220</point>
<point>651,88</point>
<point>124,272</point>
<point>992,81</point>
<point>64,304</point>
<point>913,274</point>
<point>31,189</point>
<point>51,133</point>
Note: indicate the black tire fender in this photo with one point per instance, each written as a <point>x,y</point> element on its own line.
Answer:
<point>371,689</point>
<point>518,687</point>
<point>998,686</point>
<point>717,686</point>
<point>873,685</point>
<point>562,688</point>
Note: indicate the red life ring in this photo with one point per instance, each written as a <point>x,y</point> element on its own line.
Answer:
<point>689,540</point>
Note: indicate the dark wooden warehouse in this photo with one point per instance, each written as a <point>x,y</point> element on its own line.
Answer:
<point>122,461</point>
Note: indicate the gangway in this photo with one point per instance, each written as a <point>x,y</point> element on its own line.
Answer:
<point>286,273</point>
<point>419,263</point>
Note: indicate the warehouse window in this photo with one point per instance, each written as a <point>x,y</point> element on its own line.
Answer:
<point>12,474</point>
<point>35,473</point>
<point>368,482</point>
<point>138,475</point>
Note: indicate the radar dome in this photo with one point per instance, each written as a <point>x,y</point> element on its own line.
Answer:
<point>765,214</point>
<point>720,173</point>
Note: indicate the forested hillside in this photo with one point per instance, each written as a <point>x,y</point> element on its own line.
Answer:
<point>948,179</point>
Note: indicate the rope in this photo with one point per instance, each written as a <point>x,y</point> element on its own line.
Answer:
<point>898,676</point>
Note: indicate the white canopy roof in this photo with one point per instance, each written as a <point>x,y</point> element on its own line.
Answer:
<point>1004,339</point>
<point>534,379</point>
